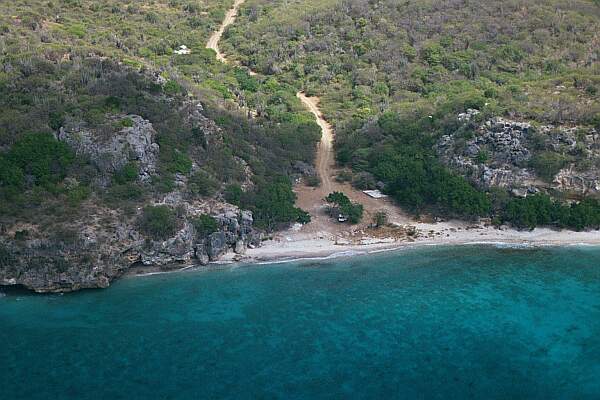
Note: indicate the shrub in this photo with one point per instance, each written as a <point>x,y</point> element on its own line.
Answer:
<point>77,30</point>
<point>204,225</point>
<point>380,218</point>
<point>202,184</point>
<point>78,194</point>
<point>126,123</point>
<point>176,161</point>
<point>313,180</point>
<point>233,194</point>
<point>128,173</point>
<point>364,181</point>
<point>10,174</point>
<point>158,222</point>
<point>273,205</point>
<point>125,192</point>
<point>547,164</point>
<point>41,156</point>
<point>172,88</point>
<point>344,176</point>
<point>303,217</point>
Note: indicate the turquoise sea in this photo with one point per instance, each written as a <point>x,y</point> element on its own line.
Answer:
<point>467,322</point>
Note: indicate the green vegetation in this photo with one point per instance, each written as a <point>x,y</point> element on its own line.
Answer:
<point>406,163</point>
<point>392,82</point>
<point>92,67</point>
<point>380,219</point>
<point>547,164</point>
<point>158,222</point>
<point>342,205</point>
<point>539,210</point>
<point>205,225</point>
<point>273,205</point>
<point>39,156</point>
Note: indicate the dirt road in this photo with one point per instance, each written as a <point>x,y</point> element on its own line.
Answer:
<point>325,161</point>
<point>213,42</point>
<point>309,198</point>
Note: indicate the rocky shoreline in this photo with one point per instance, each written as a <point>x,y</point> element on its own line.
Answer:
<point>95,258</point>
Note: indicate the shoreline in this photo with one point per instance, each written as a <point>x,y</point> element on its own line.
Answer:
<point>275,252</point>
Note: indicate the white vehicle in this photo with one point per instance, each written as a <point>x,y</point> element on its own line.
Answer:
<point>342,218</point>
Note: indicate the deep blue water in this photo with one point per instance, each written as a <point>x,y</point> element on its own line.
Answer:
<point>433,323</point>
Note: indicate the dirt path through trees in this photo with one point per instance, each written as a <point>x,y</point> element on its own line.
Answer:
<point>309,198</point>
<point>325,159</point>
<point>213,41</point>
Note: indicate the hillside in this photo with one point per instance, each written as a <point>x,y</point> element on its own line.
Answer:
<point>125,142</point>
<point>417,91</point>
<point>116,151</point>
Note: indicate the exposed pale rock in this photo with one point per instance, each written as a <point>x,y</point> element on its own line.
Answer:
<point>499,155</point>
<point>110,153</point>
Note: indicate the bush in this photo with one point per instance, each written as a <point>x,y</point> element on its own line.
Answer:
<point>380,219</point>
<point>303,217</point>
<point>78,194</point>
<point>10,174</point>
<point>125,192</point>
<point>364,181</point>
<point>344,176</point>
<point>233,194</point>
<point>204,225</point>
<point>547,164</point>
<point>158,222</point>
<point>273,205</point>
<point>176,161</point>
<point>128,173</point>
<point>172,88</point>
<point>41,156</point>
<point>313,181</point>
<point>202,184</point>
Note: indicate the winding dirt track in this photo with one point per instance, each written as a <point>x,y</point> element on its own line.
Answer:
<point>213,41</point>
<point>325,161</point>
<point>309,198</point>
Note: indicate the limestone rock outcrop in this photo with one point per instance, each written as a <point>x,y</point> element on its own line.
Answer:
<point>499,153</point>
<point>135,142</point>
<point>95,254</point>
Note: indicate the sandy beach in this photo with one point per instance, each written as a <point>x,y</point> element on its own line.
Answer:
<point>324,237</point>
<point>291,245</point>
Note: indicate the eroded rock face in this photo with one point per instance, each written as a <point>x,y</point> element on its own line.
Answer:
<point>236,233</point>
<point>570,180</point>
<point>96,255</point>
<point>495,156</point>
<point>110,153</point>
<point>178,249</point>
<point>499,153</point>
<point>87,258</point>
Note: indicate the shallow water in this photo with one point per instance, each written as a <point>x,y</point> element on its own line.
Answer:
<point>447,323</point>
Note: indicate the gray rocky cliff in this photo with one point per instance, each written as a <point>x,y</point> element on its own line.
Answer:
<point>499,153</point>
<point>96,254</point>
<point>111,152</point>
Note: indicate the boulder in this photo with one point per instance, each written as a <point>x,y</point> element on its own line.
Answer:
<point>216,245</point>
